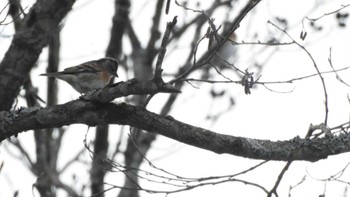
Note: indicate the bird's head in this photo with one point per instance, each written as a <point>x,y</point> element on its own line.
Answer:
<point>110,64</point>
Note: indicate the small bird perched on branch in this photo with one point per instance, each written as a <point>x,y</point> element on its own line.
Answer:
<point>226,54</point>
<point>223,58</point>
<point>90,75</point>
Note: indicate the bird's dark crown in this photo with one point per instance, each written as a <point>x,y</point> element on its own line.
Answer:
<point>110,64</point>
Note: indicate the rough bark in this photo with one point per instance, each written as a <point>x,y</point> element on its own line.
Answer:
<point>33,35</point>
<point>92,114</point>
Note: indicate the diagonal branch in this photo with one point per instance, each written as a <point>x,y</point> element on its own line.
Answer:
<point>38,26</point>
<point>208,55</point>
<point>92,114</point>
<point>315,66</point>
<point>133,86</point>
<point>155,33</point>
<point>279,179</point>
<point>162,50</point>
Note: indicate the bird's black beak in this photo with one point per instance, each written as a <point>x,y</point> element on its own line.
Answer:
<point>115,74</point>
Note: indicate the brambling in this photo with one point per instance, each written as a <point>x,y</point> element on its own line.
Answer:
<point>226,53</point>
<point>90,75</point>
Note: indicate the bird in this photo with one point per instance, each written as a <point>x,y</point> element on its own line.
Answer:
<point>224,58</point>
<point>226,54</point>
<point>90,75</point>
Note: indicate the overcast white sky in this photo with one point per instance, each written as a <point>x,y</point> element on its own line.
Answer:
<point>263,114</point>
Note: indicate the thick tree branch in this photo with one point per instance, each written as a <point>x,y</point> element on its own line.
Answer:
<point>26,46</point>
<point>92,114</point>
<point>133,86</point>
<point>120,24</point>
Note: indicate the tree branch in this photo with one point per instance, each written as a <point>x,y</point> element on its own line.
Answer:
<point>133,86</point>
<point>120,24</point>
<point>155,33</point>
<point>37,27</point>
<point>158,71</point>
<point>92,114</point>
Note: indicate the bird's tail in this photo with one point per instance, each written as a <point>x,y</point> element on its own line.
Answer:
<point>50,74</point>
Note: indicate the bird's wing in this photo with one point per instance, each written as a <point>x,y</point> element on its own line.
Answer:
<point>87,67</point>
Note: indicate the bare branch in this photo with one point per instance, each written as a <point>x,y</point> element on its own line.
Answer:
<point>296,185</point>
<point>302,77</point>
<point>24,154</point>
<point>135,42</point>
<point>26,46</point>
<point>130,87</point>
<point>187,188</point>
<point>333,177</point>
<point>278,181</point>
<point>167,8</point>
<point>155,33</point>
<point>328,13</point>
<point>335,71</point>
<point>121,23</point>
<point>178,183</point>
<point>14,122</point>
<point>210,53</point>
<point>265,83</point>
<point>70,162</point>
<point>58,183</point>
<point>186,8</point>
<point>158,71</point>
<point>15,11</point>
<point>315,66</point>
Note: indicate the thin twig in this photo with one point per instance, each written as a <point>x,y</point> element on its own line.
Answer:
<point>302,77</point>
<point>328,13</point>
<point>296,185</point>
<point>15,17</point>
<point>315,66</point>
<point>164,177</point>
<point>16,143</point>
<point>275,91</point>
<point>333,177</point>
<point>265,82</point>
<point>331,65</point>
<point>211,81</point>
<point>186,8</point>
<point>70,162</point>
<point>278,181</point>
<point>212,52</point>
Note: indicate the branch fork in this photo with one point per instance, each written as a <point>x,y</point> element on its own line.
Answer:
<point>136,86</point>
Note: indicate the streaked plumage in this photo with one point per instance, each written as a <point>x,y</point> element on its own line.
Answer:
<point>90,75</point>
